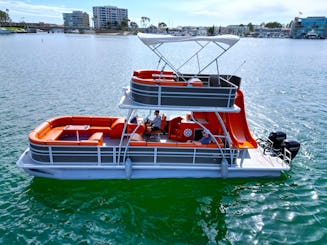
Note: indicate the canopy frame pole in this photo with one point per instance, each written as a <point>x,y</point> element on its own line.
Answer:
<point>195,54</point>
<point>215,59</point>
<point>155,49</point>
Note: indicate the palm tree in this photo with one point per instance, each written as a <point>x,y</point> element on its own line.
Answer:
<point>211,31</point>
<point>251,28</point>
<point>162,25</point>
<point>4,16</point>
<point>124,23</point>
<point>134,25</point>
<point>145,21</point>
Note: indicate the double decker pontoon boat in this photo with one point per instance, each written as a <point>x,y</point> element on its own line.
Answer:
<point>97,147</point>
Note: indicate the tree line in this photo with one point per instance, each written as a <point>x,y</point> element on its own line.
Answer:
<point>4,16</point>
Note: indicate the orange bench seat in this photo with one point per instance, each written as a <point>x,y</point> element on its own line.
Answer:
<point>98,137</point>
<point>54,134</point>
<point>171,144</point>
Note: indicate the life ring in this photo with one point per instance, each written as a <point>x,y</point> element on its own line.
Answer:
<point>188,132</point>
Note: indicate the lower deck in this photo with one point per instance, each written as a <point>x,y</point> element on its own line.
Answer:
<point>109,148</point>
<point>155,163</point>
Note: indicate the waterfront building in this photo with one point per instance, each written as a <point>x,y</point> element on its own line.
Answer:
<point>239,30</point>
<point>309,27</point>
<point>108,17</point>
<point>76,20</point>
<point>188,31</point>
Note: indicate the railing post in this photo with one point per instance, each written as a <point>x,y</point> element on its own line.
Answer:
<point>229,97</point>
<point>130,111</point>
<point>114,155</point>
<point>159,95</point>
<point>194,155</point>
<point>99,155</point>
<point>155,155</point>
<point>242,159</point>
<point>50,155</point>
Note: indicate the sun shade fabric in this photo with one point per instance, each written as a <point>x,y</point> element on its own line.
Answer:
<point>154,39</point>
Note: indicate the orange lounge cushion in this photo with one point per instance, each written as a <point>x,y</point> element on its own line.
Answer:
<point>195,82</point>
<point>60,121</point>
<point>62,142</point>
<point>89,142</point>
<point>54,134</point>
<point>98,137</point>
<point>161,144</point>
<point>101,121</point>
<point>137,143</point>
<point>150,73</point>
<point>117,128</point>
<point>186,144</point>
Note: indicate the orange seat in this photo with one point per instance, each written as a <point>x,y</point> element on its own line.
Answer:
<point>195,82</point>
<point>54,134</point>
<point>137,143</point>
<point>161,144</point>
<point>98,137</point>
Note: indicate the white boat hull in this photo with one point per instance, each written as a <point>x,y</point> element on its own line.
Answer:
<point>250,168</point>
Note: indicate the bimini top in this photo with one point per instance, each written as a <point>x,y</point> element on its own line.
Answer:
<point>198,59</point>
<point>154,39</point>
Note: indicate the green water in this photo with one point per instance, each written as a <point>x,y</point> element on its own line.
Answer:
<point>42,76</point>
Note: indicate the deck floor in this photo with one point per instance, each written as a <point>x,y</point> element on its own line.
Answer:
<point>255,159</point>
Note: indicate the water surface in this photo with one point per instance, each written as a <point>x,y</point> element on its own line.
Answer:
<point>46,75</point>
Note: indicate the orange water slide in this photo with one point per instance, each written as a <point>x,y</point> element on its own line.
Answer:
<point>237,125</point>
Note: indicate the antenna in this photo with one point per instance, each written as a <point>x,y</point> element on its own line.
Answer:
<point>239,67</point>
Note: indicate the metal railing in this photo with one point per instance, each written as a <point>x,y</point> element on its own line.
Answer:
<point>267,149</point>
<point>108,155</point>
<point>223,96</point>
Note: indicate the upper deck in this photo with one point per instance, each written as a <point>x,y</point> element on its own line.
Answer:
<point>185,84</point>
<point>165,88</point>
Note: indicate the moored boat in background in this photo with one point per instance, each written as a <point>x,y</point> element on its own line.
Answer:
<point>5,31</point>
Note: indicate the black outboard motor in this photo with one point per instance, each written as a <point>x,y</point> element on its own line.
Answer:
<point>277,139</point>
<point>292,145</point>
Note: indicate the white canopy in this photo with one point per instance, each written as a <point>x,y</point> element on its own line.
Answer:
<point>154,39</point>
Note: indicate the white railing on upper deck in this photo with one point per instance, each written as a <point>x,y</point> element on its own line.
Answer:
<point>224,95</point>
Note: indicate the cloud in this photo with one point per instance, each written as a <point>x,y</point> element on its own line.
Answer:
<point>19,8</point>
<point>184,12</point>
<point>240,10</point>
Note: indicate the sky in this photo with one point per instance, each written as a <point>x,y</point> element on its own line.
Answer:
<point>173,12</point>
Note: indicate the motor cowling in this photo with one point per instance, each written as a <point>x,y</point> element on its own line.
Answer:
<point>277,138</point>
<point>292,145</point>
